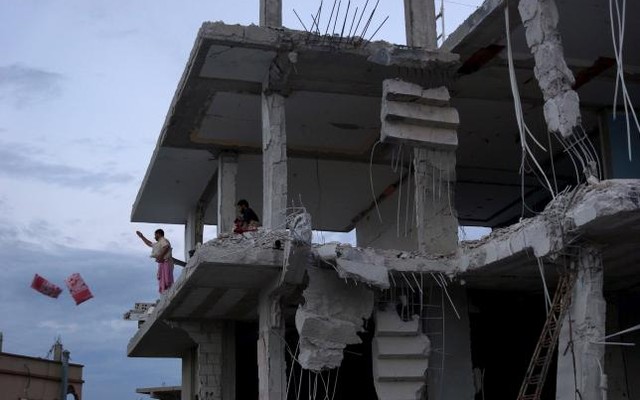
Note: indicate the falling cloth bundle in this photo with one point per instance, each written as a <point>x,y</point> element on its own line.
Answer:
<point>45,287</point>
<point>78,289</point>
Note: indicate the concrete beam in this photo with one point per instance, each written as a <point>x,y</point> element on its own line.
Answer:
<point>274,160</point>
<point>580,360</point>
<point>271,13</point>
<point>227,173</point>
<point>420,23</point>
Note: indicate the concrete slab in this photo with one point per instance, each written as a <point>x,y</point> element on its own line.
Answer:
<point>222,280</point>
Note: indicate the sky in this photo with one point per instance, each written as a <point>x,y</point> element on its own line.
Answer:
<point>84,89</point>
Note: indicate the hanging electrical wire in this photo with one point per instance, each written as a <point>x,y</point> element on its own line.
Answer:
<point>523,129</point>
<point>617,37</point>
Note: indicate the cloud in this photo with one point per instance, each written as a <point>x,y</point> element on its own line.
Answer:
<point>20,161</point>
<point>21,85</point>
<point>94,331</point>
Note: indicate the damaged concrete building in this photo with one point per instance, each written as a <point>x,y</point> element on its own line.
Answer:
<point>521,121</point>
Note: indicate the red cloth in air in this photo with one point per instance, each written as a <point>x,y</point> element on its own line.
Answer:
<point>78,289</point>
<point>45,287</point>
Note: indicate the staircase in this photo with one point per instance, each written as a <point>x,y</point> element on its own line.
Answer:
<point>400,357</point>
<point>533,383</point>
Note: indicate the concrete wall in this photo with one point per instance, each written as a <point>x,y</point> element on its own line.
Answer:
<point>370,232</point>
<point>28,377</point>
<point>455,381</point>
<point>622,364</point>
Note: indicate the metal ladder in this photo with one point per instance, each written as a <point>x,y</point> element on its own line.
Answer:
<point>533,383</point>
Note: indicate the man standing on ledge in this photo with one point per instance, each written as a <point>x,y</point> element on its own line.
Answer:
<point>161,251</point>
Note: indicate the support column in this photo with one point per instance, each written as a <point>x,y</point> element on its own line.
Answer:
<point>271,13</point>
<point>271,349</point>
<point>583,324</point>
<point>188,385</point>
<point>193,229</point>
<point>227,173</point>
<point>420,23</point>
<point>451,350</point>
<point>274,160</point>
<point>436,222</point>
<point>215,363</point>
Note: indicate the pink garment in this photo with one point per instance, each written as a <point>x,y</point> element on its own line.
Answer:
<point>78,289</point>
<point>45,287</point>
<point>165,275</point>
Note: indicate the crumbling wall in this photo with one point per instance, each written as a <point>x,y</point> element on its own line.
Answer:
<point>330,318</point>
<point>562,104</point>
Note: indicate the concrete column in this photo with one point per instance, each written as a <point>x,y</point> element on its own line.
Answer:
<point>271,13</point>
<point>193,230</point>
<point>420,23</point>
<point>274,160</point>
<point>584,323</point>
<point>614,356</point>
<point>227,173</point>
<point>455,381</point>
<point>271,349</point>
<point>215,363</point>
<point>436,222</point>
<point>188,385</point>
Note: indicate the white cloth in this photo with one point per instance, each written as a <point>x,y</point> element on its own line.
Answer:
<point>158,247</point>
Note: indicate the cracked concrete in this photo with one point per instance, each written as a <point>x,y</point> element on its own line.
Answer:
<point>330,318</point>
<point>562,104</point>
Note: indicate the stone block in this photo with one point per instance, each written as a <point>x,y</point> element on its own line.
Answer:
<point>402,347</point>
<point>405,369</point>
<point>417,116</point>
<point>390,324</point>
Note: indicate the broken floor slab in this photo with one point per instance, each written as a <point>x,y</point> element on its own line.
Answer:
<point>222,280</point>
<point>596,211</point>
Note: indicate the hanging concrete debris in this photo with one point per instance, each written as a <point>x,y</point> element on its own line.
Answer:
<point>562,104</point>
<point>400,357</point>
<point>418,116</point>
<point>329,320</point>
<point>366,267</point>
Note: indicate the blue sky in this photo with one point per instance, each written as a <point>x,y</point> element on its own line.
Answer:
<point>84,88</point>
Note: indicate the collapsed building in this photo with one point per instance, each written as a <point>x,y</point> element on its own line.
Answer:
<point>511,123</point>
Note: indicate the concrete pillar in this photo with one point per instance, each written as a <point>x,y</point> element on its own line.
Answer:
<point>188,385</point>
<point>274,160</point>
<point>583,324</point>
<point>215,362</point>
<point>193,229</point>
<point>227,198</point>
<point>271,349</point>
<point>614,356</point>
<point>450,368</point>
<point>420,23</point>
<point>271,13</point>
<point>436,222</point>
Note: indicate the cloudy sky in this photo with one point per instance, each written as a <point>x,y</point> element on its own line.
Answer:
<point>84,88</point>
